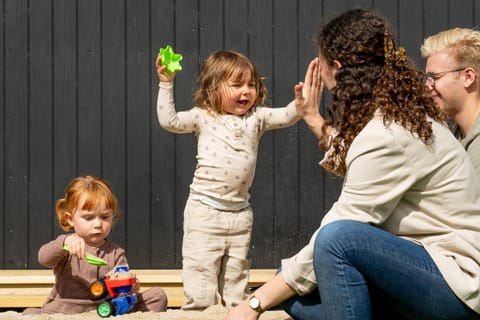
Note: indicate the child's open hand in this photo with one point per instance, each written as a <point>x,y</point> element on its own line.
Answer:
<point>76,245</point>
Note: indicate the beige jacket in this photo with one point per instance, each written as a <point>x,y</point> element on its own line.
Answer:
<point>472,144</point>
<point>430,195</point>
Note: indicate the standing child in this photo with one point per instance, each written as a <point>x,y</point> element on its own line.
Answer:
<point>89,209</point>
<point>228,120</point>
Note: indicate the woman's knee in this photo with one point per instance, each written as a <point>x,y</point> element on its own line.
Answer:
<point>338,237</point>
<point>335,232</point>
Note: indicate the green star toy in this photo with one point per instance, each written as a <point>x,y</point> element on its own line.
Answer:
<point>170,59</point>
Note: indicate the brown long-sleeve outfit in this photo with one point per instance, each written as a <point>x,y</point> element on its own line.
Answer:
<point>73,276</point>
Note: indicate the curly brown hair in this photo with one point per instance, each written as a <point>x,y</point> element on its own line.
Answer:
<point>373,76</point>
<point>219,67</point>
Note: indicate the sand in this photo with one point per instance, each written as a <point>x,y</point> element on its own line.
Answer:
<point>212,313</point>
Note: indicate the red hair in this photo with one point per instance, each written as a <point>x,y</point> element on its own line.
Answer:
<point>96,190</point>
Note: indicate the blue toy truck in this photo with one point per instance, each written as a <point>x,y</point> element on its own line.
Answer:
<point>115,288</point>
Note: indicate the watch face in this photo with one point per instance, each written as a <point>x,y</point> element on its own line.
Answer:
<point>254,302</point>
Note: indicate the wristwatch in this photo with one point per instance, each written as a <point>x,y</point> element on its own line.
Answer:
<point>255,304</point>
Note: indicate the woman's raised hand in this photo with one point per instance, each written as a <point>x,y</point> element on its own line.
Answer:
<point>308,93</point>
<point>307,99</point>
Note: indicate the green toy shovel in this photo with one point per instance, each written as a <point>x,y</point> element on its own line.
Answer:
<point>90,259</point>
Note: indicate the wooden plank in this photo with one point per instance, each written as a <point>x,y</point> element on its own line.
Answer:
<point>461,14</point>
<point>89,116</point>
<point>311,186</point>
<point>331,183</point>
<point>137,212</point>
<point>2,135</point>
<point>476,12</point>
<point>16,132</point>
<point>114,119</point>
<point>30,288</point>
<point>410,21</point>
<point>35,296</point>
<point>235,28</point>
<point>286,179</point>
<point>186,40</point>
<point>163,219</point>
<point>64,97</point>
<point>262,201</point>
<point>41,204</point>
<point>20,288</point>
<point>389,9</point>
<point>435,23</point>
<point>334,8</point>
<point>212,29</point>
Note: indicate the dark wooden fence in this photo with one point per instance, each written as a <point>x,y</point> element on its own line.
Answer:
<point>78,93</point>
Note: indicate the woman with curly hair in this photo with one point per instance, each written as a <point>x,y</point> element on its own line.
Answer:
<point>403,239</point>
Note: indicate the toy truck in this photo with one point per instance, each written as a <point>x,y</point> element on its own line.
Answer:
<point>115,288</point>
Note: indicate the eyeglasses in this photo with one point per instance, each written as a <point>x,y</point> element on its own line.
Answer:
<point>431,77</point>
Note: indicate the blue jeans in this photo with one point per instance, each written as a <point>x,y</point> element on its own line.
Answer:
<point>364,272</point>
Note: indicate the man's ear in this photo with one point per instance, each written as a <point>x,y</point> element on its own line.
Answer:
<point>470,76</point>
<point>337,64</point>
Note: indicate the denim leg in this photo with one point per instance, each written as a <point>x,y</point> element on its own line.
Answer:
<point>356,264</point>
<point>307,307</point>
<point>366,273</point>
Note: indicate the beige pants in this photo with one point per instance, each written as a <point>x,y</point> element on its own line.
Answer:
<point>215,250</point>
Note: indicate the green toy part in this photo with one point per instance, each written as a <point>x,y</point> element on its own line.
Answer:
<point>170,59</point>
<point>104,309</point>
<point>90,259</point>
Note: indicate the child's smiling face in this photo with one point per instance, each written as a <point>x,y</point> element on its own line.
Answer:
<point>238,94</point>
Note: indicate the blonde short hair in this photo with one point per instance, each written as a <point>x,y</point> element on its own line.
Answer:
<point>462,44</point>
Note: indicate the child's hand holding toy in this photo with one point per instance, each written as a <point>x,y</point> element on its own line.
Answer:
<point>76,246</point>
<point>168,63</point>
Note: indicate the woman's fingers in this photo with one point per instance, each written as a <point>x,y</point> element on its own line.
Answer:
<point>313,80</point>
<point>313,75</point>
<point>316,73</point>
<point>309,75</point>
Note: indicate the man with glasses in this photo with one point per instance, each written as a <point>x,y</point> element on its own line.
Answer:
<point>452,76</point>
